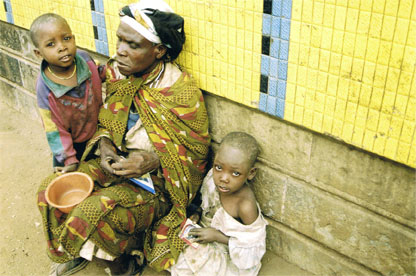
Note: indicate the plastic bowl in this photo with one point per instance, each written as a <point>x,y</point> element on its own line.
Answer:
<point>68,190</point>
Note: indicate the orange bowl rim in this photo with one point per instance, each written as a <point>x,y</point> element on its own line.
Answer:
<point>62,176</point>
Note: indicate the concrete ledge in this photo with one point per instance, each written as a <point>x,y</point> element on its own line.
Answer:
<point>351,230</point>
<point>298,249</point>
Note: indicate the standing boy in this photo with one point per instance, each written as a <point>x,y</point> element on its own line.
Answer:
<point>68,90</point>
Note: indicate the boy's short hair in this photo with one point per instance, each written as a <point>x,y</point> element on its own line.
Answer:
<point>245,142</point>
<point>39,21</point>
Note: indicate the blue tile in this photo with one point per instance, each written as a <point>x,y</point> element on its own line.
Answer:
<point>285,29</point>
<point>282,74</point>
<point>99,17</point>
<point>284,50</point>
<point>287,8</point>
<point>97,46</point>
<point>277,8</point>
<point>9,7</point>
<point>104,36</point>
<point>274,66</point>
<point>274,47</point>
<point>265,60</point>
<point>102,47</point>
<point>96,5</point>
<point>281,89</point>
<point>99,33</point>
<point>9,17</point>
<point>272,87</point>
<point>100,6</point>
<point>106,49</point>
<point>263,102</point>
<point>267,21</point>
<point>275,32</point>
<point>94,18</point>
<point>280,112</point>
<point>102,18</point>
<point>271,105</point>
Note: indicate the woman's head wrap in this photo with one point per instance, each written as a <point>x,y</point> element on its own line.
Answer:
<point>157,22</point>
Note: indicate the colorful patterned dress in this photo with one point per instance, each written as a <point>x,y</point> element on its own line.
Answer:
<point>118,214</point>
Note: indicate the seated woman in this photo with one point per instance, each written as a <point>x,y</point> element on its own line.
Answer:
<point>153,121</point>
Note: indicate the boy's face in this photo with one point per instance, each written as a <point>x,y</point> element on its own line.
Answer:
<point>231,170</point>
<point>56,44</point>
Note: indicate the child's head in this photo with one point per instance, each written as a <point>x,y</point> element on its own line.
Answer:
<point>234,162</point>
<point>53,39</point>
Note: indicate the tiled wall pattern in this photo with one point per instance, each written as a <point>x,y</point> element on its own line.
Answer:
<point>3,12</point>
<point>77,13</point>
<point>224,46</point>
<point>8,12</point>
<point>345,68</point>
<point>352,73</point>
<point>98,22</point>
<point>275,53</point>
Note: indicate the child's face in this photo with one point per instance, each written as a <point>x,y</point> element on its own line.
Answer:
<point>231,170</point>
<point>56,44</point>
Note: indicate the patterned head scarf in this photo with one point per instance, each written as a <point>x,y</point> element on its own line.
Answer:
<point>157,22</point>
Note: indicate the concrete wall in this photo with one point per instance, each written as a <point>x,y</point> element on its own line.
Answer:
<point>333,209</point>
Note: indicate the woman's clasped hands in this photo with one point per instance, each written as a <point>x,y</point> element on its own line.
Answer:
<point>135,164</point>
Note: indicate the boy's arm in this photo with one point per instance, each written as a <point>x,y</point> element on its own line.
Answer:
<point>59,139</point>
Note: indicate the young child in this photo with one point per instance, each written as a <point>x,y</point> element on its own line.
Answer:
<point>68,90</point>
<point>232,239</point>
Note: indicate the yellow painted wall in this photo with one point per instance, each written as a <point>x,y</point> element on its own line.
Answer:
<point>76,12</point>
<point>223,44</point>
<point>351,68</point>
<point>3,13</point>
<point>351,73</point>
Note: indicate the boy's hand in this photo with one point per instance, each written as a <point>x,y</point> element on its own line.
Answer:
<point>69,168</point>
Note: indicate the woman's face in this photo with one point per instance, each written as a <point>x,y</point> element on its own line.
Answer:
<point>135,54</point>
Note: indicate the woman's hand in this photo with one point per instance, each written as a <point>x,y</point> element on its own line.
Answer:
<point>136,164</point>
<point>108,154</point>
<point>208,234</point>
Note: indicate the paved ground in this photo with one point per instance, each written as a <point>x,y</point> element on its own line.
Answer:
<point>25,159</point>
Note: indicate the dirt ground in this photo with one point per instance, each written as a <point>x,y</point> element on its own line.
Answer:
<point>24,161</point>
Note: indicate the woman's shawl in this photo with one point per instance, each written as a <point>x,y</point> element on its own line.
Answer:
<point>176,121</point>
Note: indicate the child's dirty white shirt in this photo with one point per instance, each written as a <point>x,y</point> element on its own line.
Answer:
<point>245,249</point>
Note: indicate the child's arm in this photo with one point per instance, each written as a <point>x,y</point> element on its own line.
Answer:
<point>208,234</point>
<point>59,138</point>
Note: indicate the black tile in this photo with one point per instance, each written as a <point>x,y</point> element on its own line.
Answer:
<point>95,32</point>
<point>264,82</point>
<point>92,5</point>
<point>267,6</point>
<point>265,45</point>
<point>5,6</point>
